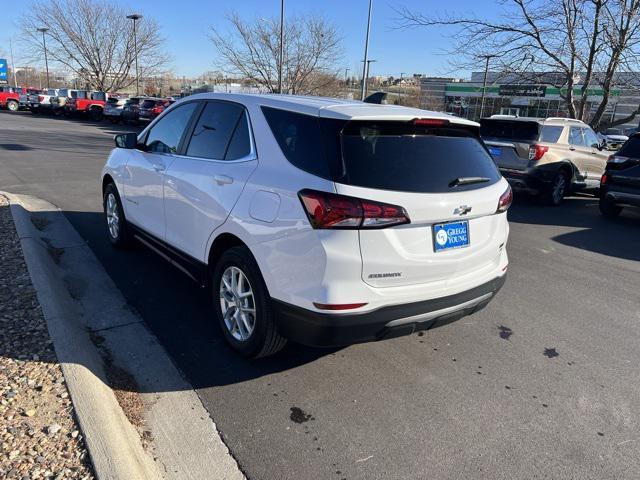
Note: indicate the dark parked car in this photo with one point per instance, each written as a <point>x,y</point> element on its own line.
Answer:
<point>620,184</point>
<point>130,111</point>
<point>150,108</point>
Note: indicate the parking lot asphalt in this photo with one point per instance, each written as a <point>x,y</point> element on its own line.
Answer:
<point>543,383</point>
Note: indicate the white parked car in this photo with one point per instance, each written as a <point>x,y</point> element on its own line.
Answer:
<point>323,221</point>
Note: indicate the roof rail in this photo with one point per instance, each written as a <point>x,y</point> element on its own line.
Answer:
<point>500,115</point>
<point>563,119</point>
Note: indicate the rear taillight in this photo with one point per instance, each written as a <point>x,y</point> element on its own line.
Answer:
<point>505,200</point>
<point>536,152</point>
<point>329,210</point>
<point>157,110</point>
<point>604,179</point>
<point>40,98</point>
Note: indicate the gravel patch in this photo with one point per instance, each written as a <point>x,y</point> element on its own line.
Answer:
<point>39,435</point>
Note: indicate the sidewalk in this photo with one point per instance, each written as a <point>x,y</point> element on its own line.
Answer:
<point>40,438</point>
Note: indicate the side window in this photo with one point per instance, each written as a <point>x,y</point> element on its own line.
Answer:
<point>550,133</point>
<point>165,135</point>
<point>212,133</point>
<point>240,145</point>
<point>575,137</point>
<point>591,139</point>
<point>299,138</point>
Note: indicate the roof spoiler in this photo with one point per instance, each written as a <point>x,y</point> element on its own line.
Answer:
<point>377,98</point>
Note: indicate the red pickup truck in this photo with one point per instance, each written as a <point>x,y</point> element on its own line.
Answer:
<point>9,98</point>
<point>87,103</point>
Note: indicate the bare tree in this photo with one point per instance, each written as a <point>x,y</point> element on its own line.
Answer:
<point>94,40</point>
<point>312,51</point>
<point>585,43</point>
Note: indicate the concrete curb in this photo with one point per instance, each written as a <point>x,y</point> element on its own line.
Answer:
<point>78,297</point>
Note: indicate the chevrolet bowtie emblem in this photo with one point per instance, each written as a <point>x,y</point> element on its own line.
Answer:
<point>462,210</point>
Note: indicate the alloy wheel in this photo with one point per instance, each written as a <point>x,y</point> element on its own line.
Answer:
<point>237,303</point>
<point>559,187</point>
<point>113,218</point>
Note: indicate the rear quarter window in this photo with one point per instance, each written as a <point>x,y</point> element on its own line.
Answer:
<point>550,133</point>
<point>301,140</point>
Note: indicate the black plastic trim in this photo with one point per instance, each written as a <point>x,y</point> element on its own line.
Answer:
<point>194,268</point>
<point>331,329</point>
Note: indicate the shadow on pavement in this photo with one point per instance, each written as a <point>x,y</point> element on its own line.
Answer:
<point>614,238</point>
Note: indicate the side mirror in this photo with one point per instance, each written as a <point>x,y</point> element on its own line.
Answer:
<point>602,145</point>
<point>126,140</point>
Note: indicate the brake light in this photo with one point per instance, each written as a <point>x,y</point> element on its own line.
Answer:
<point>329,210</point>
<point>536,152</point>
<point>40,98</point>
<point>604,179</point>
<point>430,122</point>
<point>157,110</point>
<point>505,200</point>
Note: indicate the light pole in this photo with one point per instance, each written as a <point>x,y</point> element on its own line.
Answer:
<point>365,80</point>
<point>484,81</point>
<point>401,89</point>
<point>281,46</point>
<point>13,65</point>
<point>365,66</point>
<point>44,30</point>
<point>346,80</point>
<point>135,17</point>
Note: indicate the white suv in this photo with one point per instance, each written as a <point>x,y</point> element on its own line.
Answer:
<point>323,221</point>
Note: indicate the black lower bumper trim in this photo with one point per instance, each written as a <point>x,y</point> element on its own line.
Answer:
<point>328,329</point>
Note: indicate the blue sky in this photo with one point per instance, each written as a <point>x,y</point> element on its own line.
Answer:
<point>185,25</point>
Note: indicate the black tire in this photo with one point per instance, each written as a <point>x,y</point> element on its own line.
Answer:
<point>123,237</point>
<point>35,111</point>
<point>264,339</point>
<point>558,190</point>
<point>609,209</point>
<point>13,106</point>
<point>95,114</point>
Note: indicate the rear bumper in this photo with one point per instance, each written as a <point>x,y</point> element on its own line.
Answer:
<point>530,180</point>
<point>622,198</point>
<point>326,329</point>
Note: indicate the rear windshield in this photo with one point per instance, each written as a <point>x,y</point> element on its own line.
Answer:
<point>509,129</point>
<point>386,155</point>
<point>113,100</point>
<point>148,104</point>
<point>631,148</point>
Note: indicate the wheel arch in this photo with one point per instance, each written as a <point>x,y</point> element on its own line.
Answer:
<point>106,180</point>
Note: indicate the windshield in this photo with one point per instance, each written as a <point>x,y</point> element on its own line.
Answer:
<point>402,157</point>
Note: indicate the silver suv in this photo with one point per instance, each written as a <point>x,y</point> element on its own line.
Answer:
<point>548,157</point>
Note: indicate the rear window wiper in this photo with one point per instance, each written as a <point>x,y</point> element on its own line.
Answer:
<point>467,181</point>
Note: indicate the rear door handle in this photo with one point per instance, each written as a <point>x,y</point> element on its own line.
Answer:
<point>223,180</point>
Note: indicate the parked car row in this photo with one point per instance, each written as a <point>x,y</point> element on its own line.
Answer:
<point>91,104</point>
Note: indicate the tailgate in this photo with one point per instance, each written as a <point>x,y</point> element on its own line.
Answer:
<point>407,254</point>
<point>505,154</point>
